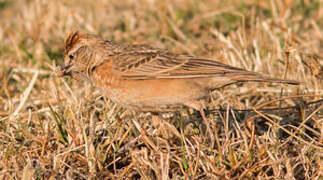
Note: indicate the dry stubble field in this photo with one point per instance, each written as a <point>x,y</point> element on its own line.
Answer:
<point>53,128</point>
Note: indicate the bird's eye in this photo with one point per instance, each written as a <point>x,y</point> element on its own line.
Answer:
<point>71,57</point>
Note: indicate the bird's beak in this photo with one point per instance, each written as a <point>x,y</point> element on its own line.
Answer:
<point>64,71</point>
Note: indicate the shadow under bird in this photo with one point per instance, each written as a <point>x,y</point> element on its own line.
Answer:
<point>144,78</point>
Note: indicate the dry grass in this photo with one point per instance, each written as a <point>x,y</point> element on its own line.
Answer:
<point>54,128</point>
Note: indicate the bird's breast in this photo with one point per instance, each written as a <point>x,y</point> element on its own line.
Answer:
<point>148,94</point>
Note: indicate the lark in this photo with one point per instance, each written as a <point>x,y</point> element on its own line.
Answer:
<point>147,79</point>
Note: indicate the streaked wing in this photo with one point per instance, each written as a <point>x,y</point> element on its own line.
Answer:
<point>142,63</point>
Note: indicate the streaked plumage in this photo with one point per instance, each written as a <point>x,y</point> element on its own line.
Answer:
<point>144,78</point>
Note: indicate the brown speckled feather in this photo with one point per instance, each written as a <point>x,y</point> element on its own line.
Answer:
<point>71,40</point>
<point>144,78</point>
<point>145,62</point>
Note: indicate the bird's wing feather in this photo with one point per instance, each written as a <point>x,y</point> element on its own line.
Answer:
<point>140,62</point>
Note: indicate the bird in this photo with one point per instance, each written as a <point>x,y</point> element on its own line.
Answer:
<point>143,78</point>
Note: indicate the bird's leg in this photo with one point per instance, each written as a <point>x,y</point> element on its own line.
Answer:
<point>155,121</point>
<point>207,124</point>
<point>143,133</point>
<point>164,128</point>
<point>200,106</point>
<point>158,124</point>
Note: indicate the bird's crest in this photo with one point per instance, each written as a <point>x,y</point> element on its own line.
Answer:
<point>72,39</point>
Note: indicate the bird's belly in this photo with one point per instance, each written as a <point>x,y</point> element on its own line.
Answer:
<point>153,95</point>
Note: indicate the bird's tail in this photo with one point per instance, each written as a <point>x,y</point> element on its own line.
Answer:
<point>255,77</point>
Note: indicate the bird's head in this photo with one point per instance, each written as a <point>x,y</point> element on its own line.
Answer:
<point>82,52</point>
